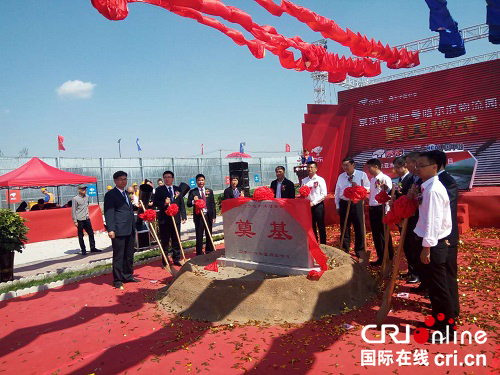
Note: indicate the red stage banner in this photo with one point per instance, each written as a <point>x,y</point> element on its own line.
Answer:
<point>57,223</point>
<point>326,134</point>
<point>453,110</point>
<point>462,165</point>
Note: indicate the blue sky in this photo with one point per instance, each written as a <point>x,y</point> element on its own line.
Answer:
<point>170,81</point>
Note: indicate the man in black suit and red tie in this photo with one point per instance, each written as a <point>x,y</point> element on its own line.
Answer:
<point>451,259</point>
<point>164,196</point>
<point>201,192</point>
<point>120,224</point>
<point>282,187</point>
<point>233,191</point>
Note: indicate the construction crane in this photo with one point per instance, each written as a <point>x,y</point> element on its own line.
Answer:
<point>469,34</point>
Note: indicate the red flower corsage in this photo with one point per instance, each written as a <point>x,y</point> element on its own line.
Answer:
<point>263,193</point>
<point>148,215</point>
<point>172,210</point>
<point>405,207</point>
<point>283,187</point>
<point>391,218</point>
<point>382,197</point>
<point>355,193</point>
<point>304,191</point>
<point>199,205</point>
<point>315,184</point>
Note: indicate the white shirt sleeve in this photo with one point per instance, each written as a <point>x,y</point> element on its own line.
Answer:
<point>435,214</point>
<point>366,181</point>
<point>337,194</point>
<point>388,183</point>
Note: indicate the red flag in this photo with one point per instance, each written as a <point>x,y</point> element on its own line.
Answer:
<point>202,152</point>
<point>287,148</point>
<point>60,140</point>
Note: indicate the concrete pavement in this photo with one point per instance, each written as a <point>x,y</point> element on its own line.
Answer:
<point>56,255</point>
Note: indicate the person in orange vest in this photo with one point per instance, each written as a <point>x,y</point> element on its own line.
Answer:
<point>49,197</point>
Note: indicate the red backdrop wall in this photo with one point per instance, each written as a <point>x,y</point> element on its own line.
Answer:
<point>450,108</point>
<point>57,223</point>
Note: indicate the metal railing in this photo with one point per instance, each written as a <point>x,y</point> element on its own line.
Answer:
<point>215,169</point>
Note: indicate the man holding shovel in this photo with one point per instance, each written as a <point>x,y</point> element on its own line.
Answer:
<point>164,196</point>
<point>354,216</point>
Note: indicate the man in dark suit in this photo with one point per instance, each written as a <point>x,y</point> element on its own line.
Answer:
<point>120,224</point>
<point>233,191</point>
<point>207,195</point>
<point>411,245</point>
<point>405,179</point>
<point>282,187</point>
<point>164,196</point>
<point>451,260</point>
<point>403,185</point>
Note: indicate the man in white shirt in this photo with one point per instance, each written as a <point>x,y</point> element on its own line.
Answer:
<point>380,182</point>
<point>433,227</point>
<point>317,195</point>
<point>351,177</point>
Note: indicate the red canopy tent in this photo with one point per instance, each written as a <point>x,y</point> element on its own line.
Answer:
<point>36,173</point>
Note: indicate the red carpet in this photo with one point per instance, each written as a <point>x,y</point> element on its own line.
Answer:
<point>89,327</point>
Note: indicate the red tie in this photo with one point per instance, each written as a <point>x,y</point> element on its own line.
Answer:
<point>203,196</point>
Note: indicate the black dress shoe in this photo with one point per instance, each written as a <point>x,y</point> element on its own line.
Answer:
<point>84,253</point>
<point>376,263</point>
<point>413,280</point>
<point>177,263</point>
<point>96,251</point>
<point>132,280</point>
<point>118,285</point>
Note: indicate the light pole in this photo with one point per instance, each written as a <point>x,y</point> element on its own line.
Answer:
<point>119,148</point>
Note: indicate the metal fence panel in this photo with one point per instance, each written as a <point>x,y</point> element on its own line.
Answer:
<point>138,169</point>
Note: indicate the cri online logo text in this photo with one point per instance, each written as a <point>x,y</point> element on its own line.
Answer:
<point>421,335</point>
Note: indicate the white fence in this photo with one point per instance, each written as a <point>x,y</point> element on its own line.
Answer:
<point>138,169</point>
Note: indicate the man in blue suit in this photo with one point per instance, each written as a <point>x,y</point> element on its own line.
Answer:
<point>120,224</point>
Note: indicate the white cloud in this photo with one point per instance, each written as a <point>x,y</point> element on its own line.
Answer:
<point>76,89</point>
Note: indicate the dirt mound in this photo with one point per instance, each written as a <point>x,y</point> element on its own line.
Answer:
<point>237,295</point>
